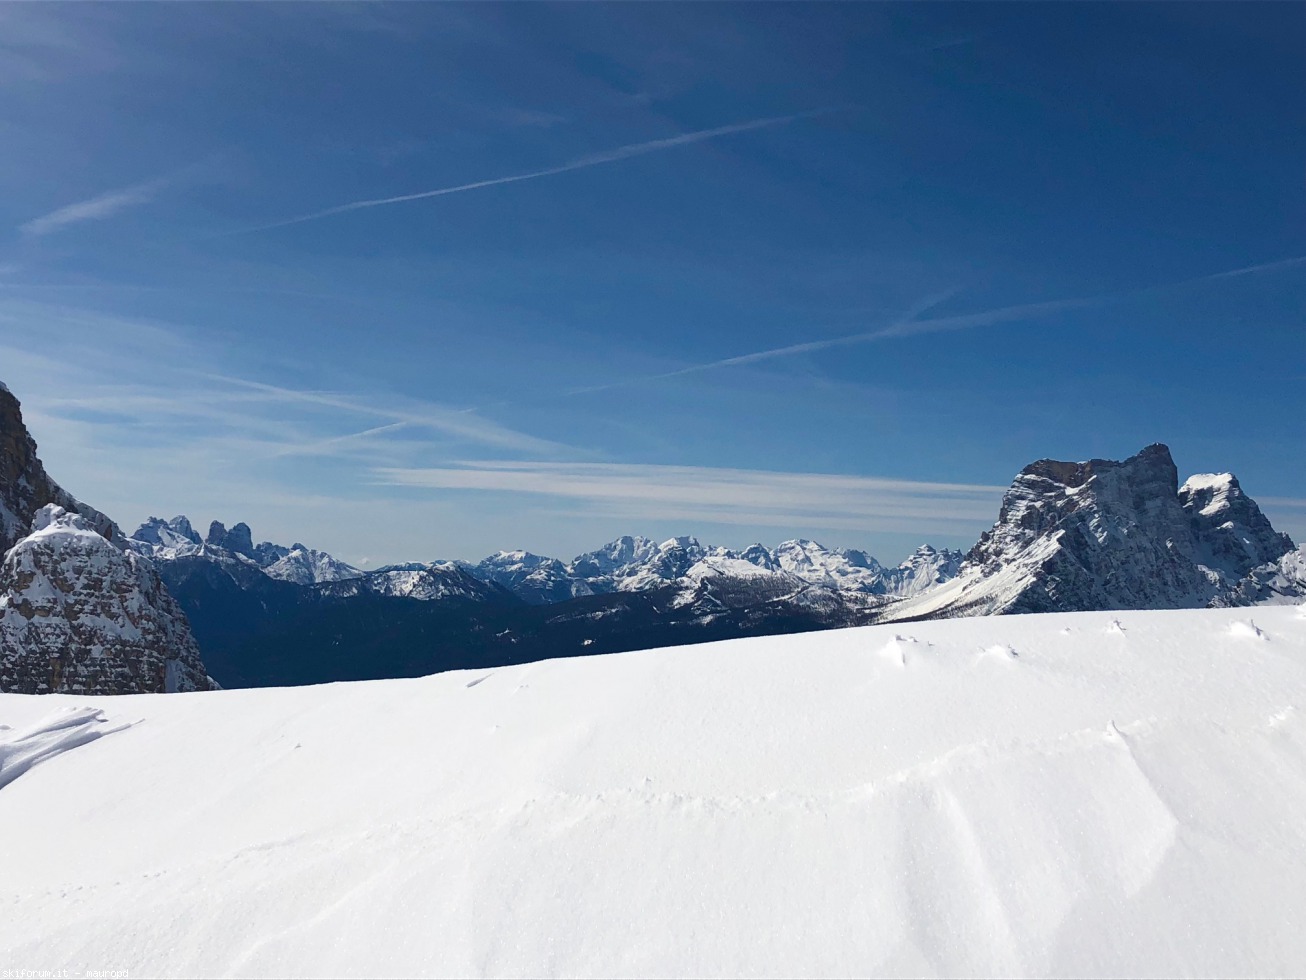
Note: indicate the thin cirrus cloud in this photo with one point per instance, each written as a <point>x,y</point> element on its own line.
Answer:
<point>592,160</point>
<point>128,381</point>
<point>93,209</point>
<point>724,495</point>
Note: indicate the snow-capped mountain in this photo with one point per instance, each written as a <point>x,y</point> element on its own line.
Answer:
<point>158,538</point>
<point>307,566</point>
<point>534,578</point>
<point>416,580</point>
<point>80,611</point>
<point>836,568</point>
<point>1111,535</point>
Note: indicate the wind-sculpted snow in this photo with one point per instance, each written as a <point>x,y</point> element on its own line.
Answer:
<point>61,731</point>
<point>1080,794</point>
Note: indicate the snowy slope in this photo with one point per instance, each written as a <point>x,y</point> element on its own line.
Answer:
<point>1070,794</point>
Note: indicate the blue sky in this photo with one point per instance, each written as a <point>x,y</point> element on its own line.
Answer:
<point>748,272</point>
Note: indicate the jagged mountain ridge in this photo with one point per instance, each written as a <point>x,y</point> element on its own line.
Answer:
<point>80,611</point>
<point>634,564</point>
<point>168,540</point>
<point>628,564</point>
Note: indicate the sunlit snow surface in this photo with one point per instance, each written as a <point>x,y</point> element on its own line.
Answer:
<point>1073,794</point>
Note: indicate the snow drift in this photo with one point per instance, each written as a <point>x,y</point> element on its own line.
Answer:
<point>1067,794</point>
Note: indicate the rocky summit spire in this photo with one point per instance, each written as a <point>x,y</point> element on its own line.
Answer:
<point>80,613</point>
<point>24,485</point>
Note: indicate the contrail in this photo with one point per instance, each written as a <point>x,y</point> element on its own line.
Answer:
<point>1249,269</point>
<point>911,326</point>
<point>593,160</point>
<point>766,355</point>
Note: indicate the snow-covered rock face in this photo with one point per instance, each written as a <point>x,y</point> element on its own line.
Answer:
<point>80,611</point>
<point>79,614</point>
<point>1109,535</point>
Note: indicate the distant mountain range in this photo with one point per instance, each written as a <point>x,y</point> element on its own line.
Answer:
<point>84,608</point>
<point>1070,536</point>
<point>628,564</point>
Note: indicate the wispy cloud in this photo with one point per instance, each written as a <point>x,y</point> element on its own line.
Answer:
<point>462,423</point>
<point>1295,502</point>
<point>93,209</point>
<point>722,495</point>
<point>592,160</point>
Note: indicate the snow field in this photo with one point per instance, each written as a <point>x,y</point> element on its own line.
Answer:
<point>1025,795</point>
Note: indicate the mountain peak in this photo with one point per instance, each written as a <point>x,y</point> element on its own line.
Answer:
<point>1103,534</point>
<point>1155,458</point>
